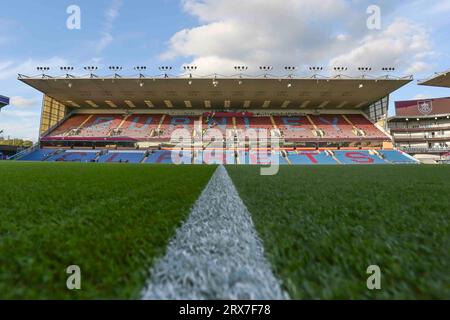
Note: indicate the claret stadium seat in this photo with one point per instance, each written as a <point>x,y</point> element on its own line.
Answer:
<point>74,122</point>
<point>370,130</point>
<point>172,123</point>
<point>334,126</point>
<point>295,128</point>
<point>138,126</point>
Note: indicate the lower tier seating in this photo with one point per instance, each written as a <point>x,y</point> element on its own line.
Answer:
<point>211,156</point>
<point>395,156</point>
<point>310,157</point>
<point>74,156</point>
<point>358,157</point>
<point>131,157</point>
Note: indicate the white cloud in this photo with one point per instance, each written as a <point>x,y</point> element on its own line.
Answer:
<point>402,44</point>
<point>294,32</point>
<point>111,14</point>
<point>18,101</point>
<point>10,69</point>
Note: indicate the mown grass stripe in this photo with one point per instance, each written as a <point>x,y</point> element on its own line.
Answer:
<point>216,254</point>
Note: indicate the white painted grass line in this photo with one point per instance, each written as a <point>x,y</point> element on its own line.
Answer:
<point>216,254</point>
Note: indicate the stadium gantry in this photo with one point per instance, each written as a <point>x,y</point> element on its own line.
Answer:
<point>231,120</point>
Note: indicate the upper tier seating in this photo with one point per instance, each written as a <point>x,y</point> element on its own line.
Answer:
<point>253,123</point>
<point>70,124</point>
<point>170,124</point>
<point>221,123</point>
<point>334,126</point>
<point>100,126</point>
<point>295,128</point>
<point>140,127</point>
<point>370,130</point>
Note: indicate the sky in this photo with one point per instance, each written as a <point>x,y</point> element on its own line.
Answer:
<point>215,35</point>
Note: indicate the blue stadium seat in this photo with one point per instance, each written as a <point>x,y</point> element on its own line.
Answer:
<point>396,156</point>
<point>131,157</point>
<point>310,158</point>
<point>74,156</point>
<point>37,155</point>
<point>170,157</point>
<point>260,158</point>
<point>358,157</point>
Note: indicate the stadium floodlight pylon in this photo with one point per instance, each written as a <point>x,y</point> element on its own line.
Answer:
<point>165,69</point>
<point>189,68</point>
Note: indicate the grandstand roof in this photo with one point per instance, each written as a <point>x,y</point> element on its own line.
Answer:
<point>440,79</point>
<point>3,101</point>
<point>216,93</point>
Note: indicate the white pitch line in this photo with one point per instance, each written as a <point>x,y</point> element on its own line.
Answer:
<point>216,254</point>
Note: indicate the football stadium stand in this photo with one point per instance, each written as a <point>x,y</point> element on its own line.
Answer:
<point>294,121</point>
<point>422,127</point>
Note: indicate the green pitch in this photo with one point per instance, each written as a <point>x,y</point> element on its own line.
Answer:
<point>110,220</point>
<point>323,226</point>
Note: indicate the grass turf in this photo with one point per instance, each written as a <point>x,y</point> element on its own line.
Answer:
<point>111,220</point>
<point>323,226</point>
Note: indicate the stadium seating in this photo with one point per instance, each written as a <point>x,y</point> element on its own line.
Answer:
<point>214,157</point>
<point>139,127</point>
<point>131,157</point>
<point>310,158</point>
<point>395,156</point>
<point>295,128</point>
<point>260,158</point>
<point>211,156</point>
<point>38,155</point>
<point>358,157</point>
<point>370,130</point>
<point>72,123</point>
<point>74,156</point>
<point>170,124</point>
<point>169,157</point>
<point>100,126</point>
<point>334,127</point>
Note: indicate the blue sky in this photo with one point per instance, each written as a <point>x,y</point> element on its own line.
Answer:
<point>215,35</point>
